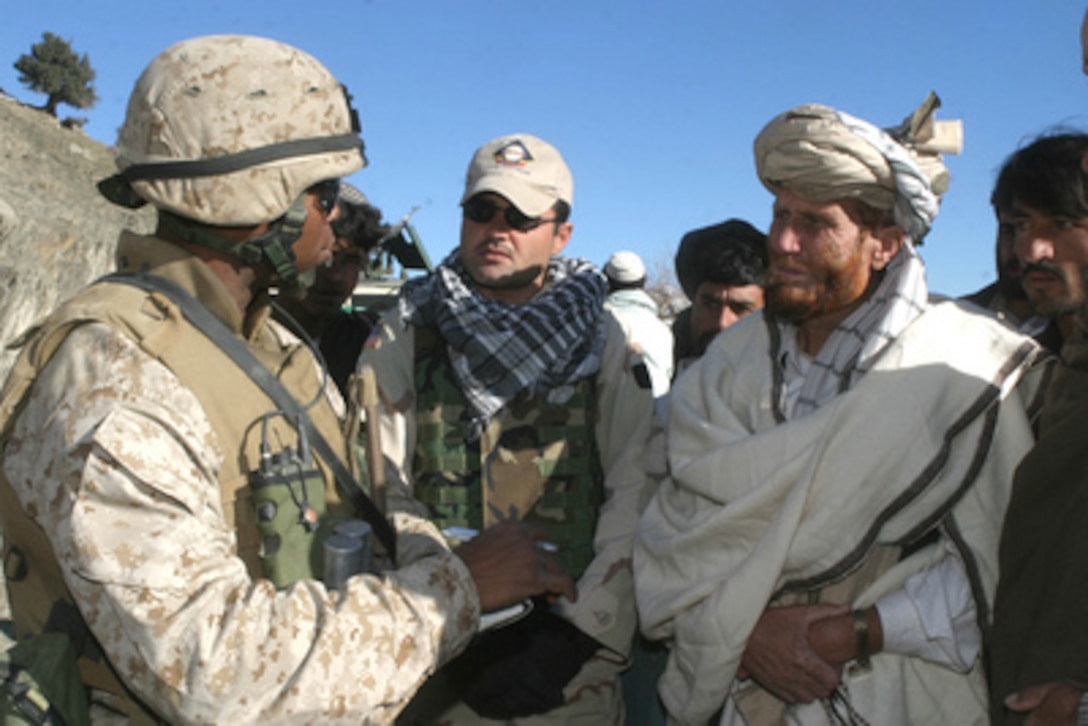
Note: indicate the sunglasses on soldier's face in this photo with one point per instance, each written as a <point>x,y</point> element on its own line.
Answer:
<point>482,210</point>
<point>328,194</point>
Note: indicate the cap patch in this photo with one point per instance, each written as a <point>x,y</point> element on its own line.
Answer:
<point>513,154</point>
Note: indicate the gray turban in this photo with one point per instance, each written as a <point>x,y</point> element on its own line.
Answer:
<point>824,155</point>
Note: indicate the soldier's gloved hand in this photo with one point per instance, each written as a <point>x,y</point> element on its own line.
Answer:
<point>508,566</point>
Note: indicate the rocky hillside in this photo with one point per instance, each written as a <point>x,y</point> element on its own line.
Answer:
<point>56,232</point>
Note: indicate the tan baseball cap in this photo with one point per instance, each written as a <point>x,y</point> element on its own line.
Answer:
<point>525,170</point>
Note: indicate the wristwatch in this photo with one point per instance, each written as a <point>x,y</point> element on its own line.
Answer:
<point>861,632</point>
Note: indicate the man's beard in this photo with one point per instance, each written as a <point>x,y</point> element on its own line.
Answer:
<point>795,304</point>
<point>832,284</point>
<point>1052,306</point>
<point>789,303</point>
<point>513,281</point>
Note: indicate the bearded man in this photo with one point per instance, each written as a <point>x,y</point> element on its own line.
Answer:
<point>825,549</point>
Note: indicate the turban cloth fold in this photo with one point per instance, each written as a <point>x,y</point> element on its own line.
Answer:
<point>824,155</point>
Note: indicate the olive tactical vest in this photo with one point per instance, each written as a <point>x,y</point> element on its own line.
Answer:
<point>534,461</point>
<point>235,407</point>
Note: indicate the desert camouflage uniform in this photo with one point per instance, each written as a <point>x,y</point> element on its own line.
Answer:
<point>118,464</point>
<point>605,608</point>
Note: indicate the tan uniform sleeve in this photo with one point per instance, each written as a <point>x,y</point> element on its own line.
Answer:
<point>391,354</point>
<point>606,600</point>
<point>116,462</point>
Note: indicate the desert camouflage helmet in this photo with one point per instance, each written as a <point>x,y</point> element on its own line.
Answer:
<point>230,130</point>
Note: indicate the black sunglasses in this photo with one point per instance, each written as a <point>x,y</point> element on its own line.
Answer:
<point>482,210</point>
<point>328,194</point>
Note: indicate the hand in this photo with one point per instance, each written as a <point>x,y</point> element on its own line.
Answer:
<point>509,566</point>
<point>1047,703</point>
<point>780,657</point>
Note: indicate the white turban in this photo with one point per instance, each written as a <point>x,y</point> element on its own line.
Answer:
<point>824,155</point>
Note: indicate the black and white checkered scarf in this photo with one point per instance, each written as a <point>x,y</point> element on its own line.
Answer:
<point>498,350</point>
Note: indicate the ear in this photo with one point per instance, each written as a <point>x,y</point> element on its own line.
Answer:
<point>889,240</point>
<point>561,237</point>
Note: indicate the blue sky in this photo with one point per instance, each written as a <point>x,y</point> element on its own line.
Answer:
<point>653,104</point>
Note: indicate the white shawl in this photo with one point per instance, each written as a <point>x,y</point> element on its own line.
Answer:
<point>756,507</point>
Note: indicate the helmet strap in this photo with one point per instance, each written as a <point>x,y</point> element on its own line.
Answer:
<point>271,248</point>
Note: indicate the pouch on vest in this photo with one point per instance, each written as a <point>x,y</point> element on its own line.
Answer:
<point>40,683</point>
<point>289,498</point>
<point>521,669</point>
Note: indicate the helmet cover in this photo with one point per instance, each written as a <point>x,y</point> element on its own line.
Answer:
<point>229,130</point>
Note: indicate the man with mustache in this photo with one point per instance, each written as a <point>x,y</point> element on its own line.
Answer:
<point>1038,658</point>
<point>825,549</point>
<point>510,392</point>
<point>1039,668</point>
<point>1042,187</point>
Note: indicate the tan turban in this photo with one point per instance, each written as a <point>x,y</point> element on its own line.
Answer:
<point>824,155</point>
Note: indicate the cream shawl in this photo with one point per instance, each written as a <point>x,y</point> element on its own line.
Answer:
<point>755,508</point>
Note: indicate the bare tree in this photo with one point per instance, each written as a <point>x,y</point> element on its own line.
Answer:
<point>661,285</point>
<point>53,68</point>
